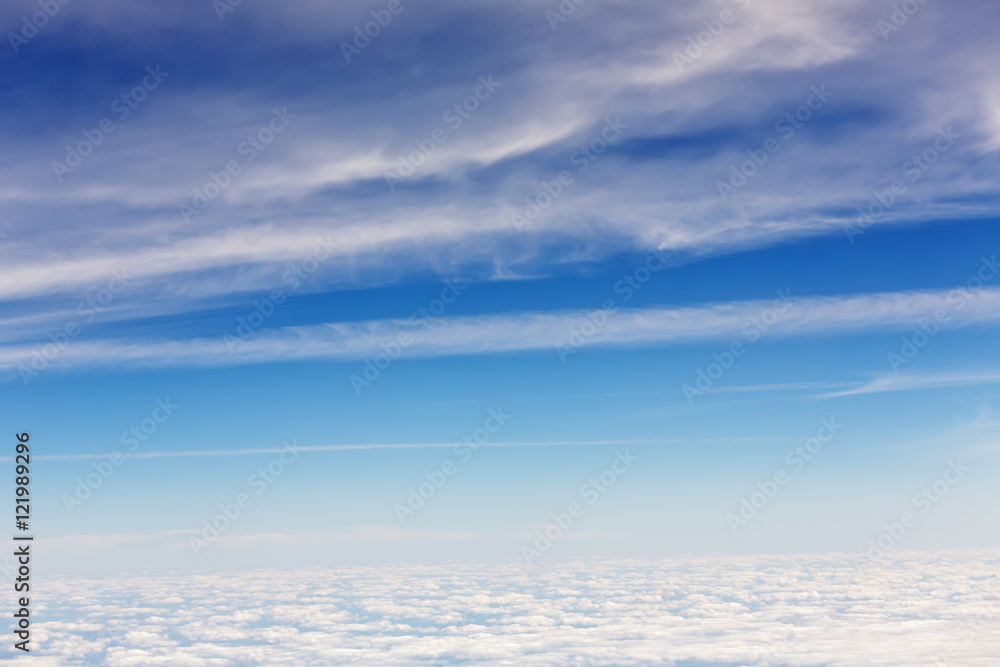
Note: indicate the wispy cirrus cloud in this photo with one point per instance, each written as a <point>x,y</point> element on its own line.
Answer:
<point>532,331</point>
<point>254,451</point>
<point>913,381</point>
<point>324,176</point>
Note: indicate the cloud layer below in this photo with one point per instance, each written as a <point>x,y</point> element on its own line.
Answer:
<point>906,610</point>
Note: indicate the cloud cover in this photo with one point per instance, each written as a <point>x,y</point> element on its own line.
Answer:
<point>908,609</point>
<point>654,186</point>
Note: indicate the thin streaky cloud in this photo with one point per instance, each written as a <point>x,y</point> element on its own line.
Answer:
<point>912,381</point>
<point>341,448</point>
<point>534,331</point>
<point>786,386</point>
<point>554,397</point>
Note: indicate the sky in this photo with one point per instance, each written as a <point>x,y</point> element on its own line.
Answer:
<point>505,281</point>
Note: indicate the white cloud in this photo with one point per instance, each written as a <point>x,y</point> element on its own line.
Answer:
<point>254,451</point>
<point>324,177</point>
<point>788,610</point>
<point>541,331</point>
<point>911,381</point>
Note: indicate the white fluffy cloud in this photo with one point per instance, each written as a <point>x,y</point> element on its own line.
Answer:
<point>761,610</point>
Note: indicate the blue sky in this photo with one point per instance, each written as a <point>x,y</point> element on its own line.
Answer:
<point>468,206</point>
